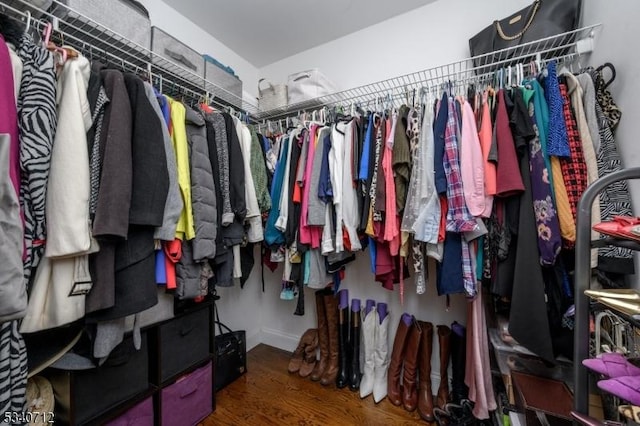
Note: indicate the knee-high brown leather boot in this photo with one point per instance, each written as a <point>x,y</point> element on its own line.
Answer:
<point>331,311</point>
<point>323,337</point>
<point>395,364</point>
<point>425,393</point>
<point>444,340</point>
<point>409,375</point>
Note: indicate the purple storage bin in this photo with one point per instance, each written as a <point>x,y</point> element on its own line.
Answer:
<point>139,415</point>
<point>189,399</point>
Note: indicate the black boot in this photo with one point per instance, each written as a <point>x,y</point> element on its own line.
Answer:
<point>342,379</point>
<point>354,366</point>
<point>459,391</point>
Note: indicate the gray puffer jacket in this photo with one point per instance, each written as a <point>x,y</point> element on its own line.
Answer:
<point>203,196</point>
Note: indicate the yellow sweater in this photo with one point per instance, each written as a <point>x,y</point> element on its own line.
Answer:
<point>185,226</point>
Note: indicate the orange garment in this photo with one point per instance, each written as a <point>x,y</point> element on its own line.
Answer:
<point>567,223</point>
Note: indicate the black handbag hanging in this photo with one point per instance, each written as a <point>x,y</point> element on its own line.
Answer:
<point>544,18</point>
<point>230,353</point>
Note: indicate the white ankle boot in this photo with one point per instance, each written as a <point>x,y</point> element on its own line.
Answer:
<point>368,330</point>
<point>381,359</point>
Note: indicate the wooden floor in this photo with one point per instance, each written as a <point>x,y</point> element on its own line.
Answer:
<point>268,395</point>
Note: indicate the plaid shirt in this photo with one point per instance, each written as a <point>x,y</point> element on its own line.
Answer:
<point>458,217</point>
<point>574,168</point>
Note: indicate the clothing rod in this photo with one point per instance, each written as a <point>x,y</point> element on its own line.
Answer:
<point>558,46</point>
<point>90,35</point>
<point>175,89</point>
<point>365,99</point>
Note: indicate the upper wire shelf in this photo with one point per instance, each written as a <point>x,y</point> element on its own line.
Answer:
<point>563,47</point>
<point>96,41</point>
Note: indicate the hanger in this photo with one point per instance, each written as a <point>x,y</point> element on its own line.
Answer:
<point>611,68</point>
<point>28,24</point>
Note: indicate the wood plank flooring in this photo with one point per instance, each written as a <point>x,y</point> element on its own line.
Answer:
<point>268,395</point>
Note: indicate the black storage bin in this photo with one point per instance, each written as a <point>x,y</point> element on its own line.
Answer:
<point>83,395</point>
<point>182,343</point>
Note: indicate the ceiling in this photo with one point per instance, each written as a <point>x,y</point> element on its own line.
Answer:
<point>265,31</point>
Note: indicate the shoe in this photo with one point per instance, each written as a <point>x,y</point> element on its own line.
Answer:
<point>583,419</point>
<point>623,306</point>
<point>308,338</point>
<point>425,393</point>
<point>397,356</point>
<point>444,340</point>
<point>331,310</point>
<point>623,227</point>
<point>342,378</point>
<point>309,360</point>
<point>631,412</point>
<point>369,330</point>
<point>615,293</point>
<point>354,357</point>
<point>410,367</point>
<point>381,359</point>
<point>612,365</point>
<point>323,335</point>
<point>625,387</point>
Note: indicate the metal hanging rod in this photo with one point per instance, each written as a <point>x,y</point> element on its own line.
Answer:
<point>563,47</point>
<point>92,38</point>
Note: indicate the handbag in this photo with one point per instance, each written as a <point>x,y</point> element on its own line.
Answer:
<point>271,97</point>
<point>308,85</point>
<point>544,18</point>
<point>231,355</point>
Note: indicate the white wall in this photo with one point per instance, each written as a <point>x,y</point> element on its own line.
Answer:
<point>168,19</point>
<point>616,44</point>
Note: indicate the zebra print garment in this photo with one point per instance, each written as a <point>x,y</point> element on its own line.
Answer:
<point>614,200</point>
<point>37,120</point>
<point>13,369</point>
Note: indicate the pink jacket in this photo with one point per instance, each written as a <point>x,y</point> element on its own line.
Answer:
<point>471,163</point>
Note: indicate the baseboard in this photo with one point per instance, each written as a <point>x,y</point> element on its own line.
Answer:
<point>253,339</point>
<point>278,339</point>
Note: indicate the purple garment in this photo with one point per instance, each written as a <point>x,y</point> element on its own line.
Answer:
<point>325,191</point>
<point>164,106</point>
<point>547,224</point>
<point>9,115</point>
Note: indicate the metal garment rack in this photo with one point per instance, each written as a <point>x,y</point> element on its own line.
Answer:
<point>582,279</point>
<point>95,41</point>
<point>565,47</point>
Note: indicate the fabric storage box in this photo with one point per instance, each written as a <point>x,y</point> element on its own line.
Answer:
<point>227,81</point>
<point>82,395</point>
<point>182,342</point>
<point>189,399</point>
<point>140,415</point>
<point>127,18</point>
<point>176,52</point>
<point>306,86</point>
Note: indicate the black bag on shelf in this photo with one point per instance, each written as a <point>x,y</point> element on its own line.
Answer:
<point>231,355</point>
<point>543,18</point>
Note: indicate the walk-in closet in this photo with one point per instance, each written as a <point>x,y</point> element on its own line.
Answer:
<point>319,213</point>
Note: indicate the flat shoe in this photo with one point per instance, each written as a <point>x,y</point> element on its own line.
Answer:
<point>626,388</point>
<point>631,412</point>
<point>612,365</point>
<point>624,227</point>
<point>628,294</point>
<point>586,420</point>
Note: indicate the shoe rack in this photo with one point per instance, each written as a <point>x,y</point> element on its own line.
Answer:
<point>582,280</point>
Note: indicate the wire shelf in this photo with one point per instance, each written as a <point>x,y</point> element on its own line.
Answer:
<point>96,41</point>
<point>563,47</point>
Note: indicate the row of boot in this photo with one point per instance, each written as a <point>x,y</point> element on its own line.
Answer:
<point>354,352</point>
